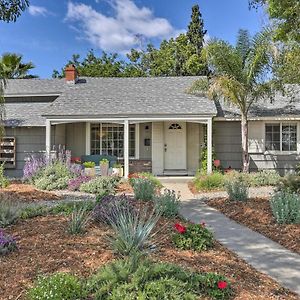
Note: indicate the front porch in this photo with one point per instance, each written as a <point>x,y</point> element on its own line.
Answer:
<point>169,146</point>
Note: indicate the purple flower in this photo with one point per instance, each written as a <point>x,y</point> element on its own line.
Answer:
<point>74,184</point>
<point>7,243</point>
<point>33,165</point>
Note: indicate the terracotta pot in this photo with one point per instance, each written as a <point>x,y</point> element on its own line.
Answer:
<point>104,169</point>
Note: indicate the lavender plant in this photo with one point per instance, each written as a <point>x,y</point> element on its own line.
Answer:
<point>7,243</point>
<point>75,183</point>
<point>33,164</point>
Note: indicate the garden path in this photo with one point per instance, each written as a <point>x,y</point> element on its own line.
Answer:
<point>257,250</point>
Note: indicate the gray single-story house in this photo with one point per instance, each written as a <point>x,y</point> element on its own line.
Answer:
<point>150,124</point>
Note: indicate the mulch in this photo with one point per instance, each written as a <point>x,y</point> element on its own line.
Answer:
<point>256,214</point>
<point>45,247</point>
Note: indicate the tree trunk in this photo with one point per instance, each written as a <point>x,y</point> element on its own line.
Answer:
<point>245,153</point>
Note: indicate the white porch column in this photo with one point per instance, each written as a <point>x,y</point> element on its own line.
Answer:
<point>48,138</point>
<point>126,148</point>
<point>87,138</point>
<point>209,146</point>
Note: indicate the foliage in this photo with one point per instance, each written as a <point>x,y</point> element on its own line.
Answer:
<point>100,185</point>
<point>132,229</point>
<point>104,161</point>
<point>193,237</point>
<point>79,220</point>
<point>53,177</point>
<point>67,208</point>
<point>209,182</point>
<point>265,178</point>
<point>290,183</point>
<point>33,165</point>
<point>3,180</point>
<point>286,208</point>
<point>33,210</point>
<point>143,189</point>
<point>168,203</point>
<point>75,183</point>
<point>240,76</point>
<point>7,243</point>
<point>105,210</point>
<point>13,67</point>
<point>204,158</point>
<point>9,212</point>
<point>89,164</point>
<point>57,287</point>
<point>145,175</point>
<point>237,189</point>
<point>143,279</point>
<point>10,10</point>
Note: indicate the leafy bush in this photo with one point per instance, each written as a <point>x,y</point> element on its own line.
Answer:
<point>32,211</point>
<point>75,183</point>
<point>89,164</point>
<point>168,203</point>
<point>79,220</point>
<point>290,183</point>
<point>9,212</point>
<point>67,208</point>
<point>100,185</point>
<point>143,189</point>
<point>3,180</point>
<point>54,177</point>
<point>60,286</point>
<point>132,230</point>
<point>265,178</point>
<point>105,210</point>
<point>193,237</point>
<point>286,208</point>
<point>7,243</point>
<point>209,182</point>
<point>145,175</point>
<point>237,189</point>
<point>135,279</point>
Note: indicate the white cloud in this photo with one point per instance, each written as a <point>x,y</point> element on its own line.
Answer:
<point>118,32</point>
<point>37,10</point>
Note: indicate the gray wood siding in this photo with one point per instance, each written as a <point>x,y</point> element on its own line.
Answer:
<point>75,138</point>
<point>145,151</point>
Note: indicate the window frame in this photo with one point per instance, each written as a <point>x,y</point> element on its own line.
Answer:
<point>281,124</point>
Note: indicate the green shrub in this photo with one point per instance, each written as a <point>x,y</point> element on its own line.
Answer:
<point>54,177</point>
<point>209,182</point>
<point>265,178</point>
<point>9,212</point>
<point>67,208</point>
<point>145,175</point>
<point>60,286</point>
<point>143,189</point>
<point>168,203</point>
<point>3,180</point>
<point>286,208</point>
<point>79,220</point>
<point>290,183</point>
<point>237,189</point>
<point>89,164</point>
<point>132,229</point>
<point>143,279</point>
<point>103,185</point>
<point>193,237</point>
<point>32,211</point>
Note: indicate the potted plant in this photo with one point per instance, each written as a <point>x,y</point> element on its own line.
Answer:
<point>89,168</point>
<point>118,170</point>
<point>104,166</point>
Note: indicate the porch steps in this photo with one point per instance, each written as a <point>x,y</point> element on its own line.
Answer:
<point>175,173</point>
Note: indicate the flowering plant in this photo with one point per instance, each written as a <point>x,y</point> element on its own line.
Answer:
<point>7,243</point>
<point>33,165</point>
<point>192,237</point>
<point>222,285</point>
<point>75,183</point>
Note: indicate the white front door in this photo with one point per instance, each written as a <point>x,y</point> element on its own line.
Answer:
<point>175,145</point>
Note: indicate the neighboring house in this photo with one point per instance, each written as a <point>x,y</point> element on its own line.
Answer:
<point>150,124</point>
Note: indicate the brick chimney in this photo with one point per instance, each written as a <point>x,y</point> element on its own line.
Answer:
<point>71,74</point>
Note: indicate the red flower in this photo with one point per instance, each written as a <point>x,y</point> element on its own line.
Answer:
<point>222,285</point>
<point>181,229</point>
<point>203,224</point>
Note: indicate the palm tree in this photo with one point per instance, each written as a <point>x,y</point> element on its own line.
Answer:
<point>13,67</point>
<point>240,75</point>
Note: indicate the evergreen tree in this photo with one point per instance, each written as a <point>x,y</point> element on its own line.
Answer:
<point>196,31</point>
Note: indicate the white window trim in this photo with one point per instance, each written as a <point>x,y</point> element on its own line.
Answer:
<point>88,140</point>
<point>282,152</point>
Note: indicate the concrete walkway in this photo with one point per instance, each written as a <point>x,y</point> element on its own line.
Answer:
<point>257,250</point>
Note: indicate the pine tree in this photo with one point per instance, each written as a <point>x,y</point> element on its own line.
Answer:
<point>196,31</point>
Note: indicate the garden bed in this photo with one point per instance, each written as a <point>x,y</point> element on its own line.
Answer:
<point>45,247</point>
<point>256,214</point>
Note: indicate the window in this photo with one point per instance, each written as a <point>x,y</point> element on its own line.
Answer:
<point>108,139</point>
<point>281,137</point>
<point>175,126</point>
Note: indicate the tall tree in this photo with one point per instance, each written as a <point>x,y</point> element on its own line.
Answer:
<point>286,15</point>
<point>2,108</point>
<point>13,67</point>
<point>239,76</point>
<point>196,31</point>
<point>10,10</point>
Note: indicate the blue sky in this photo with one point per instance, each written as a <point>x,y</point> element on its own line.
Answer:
<point>52,30</point>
